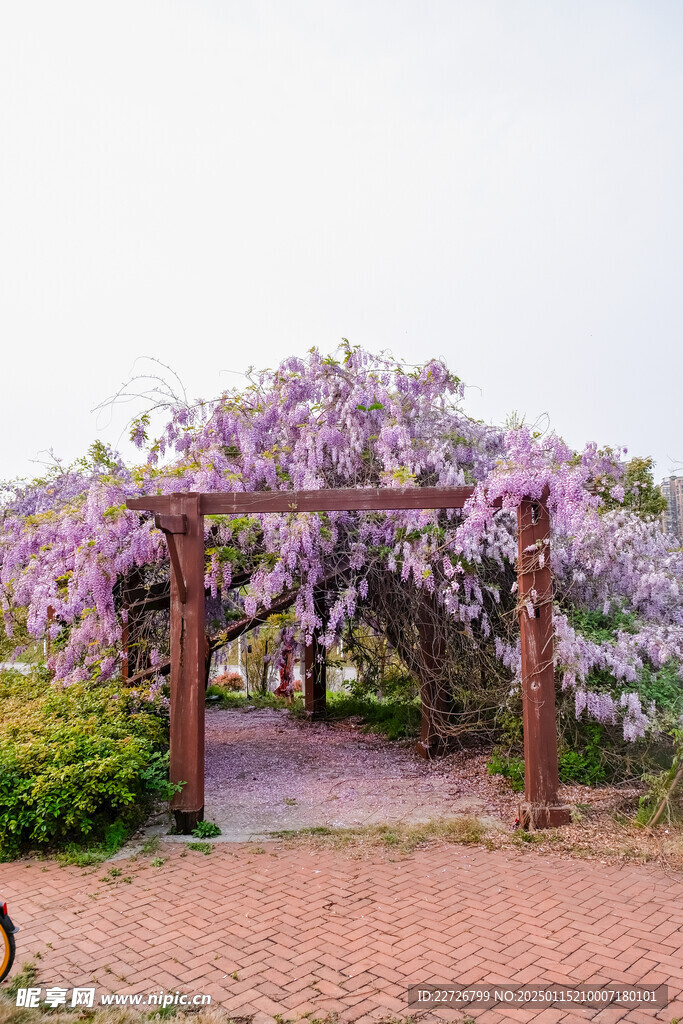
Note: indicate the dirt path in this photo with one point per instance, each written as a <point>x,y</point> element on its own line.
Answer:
<point>266,772</point>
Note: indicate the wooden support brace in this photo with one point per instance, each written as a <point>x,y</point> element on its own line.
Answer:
<point>173,525</point>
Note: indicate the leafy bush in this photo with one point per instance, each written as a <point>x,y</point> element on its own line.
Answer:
<point>663,802</point>
<point>229,681</point>
<point>78,763</point>
<point>394,685</point>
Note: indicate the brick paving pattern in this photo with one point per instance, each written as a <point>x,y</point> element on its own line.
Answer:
<point>296,931</point>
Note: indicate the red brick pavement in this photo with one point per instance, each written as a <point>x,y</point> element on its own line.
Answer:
<point>299,931</point>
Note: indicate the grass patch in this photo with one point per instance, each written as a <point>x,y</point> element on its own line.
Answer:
<point>24,979</point>
<point>523,838</point>
<point>395,719</point>
<point>205,848</point>
<point>403,838</point>
<point>115,836</point>
<point>595,837</point>
<point>11,1014</point>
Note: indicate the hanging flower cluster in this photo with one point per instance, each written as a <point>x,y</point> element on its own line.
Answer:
<point>358,420</point>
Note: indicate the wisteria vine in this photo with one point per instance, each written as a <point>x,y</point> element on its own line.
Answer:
<point>351,420</point>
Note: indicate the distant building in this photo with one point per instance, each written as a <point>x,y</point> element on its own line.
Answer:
<point>672,517</point>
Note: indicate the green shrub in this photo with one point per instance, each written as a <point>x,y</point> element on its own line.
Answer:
<point>584,766</point>
<point>663,801</point>
<point>393,684</point>
<point>78,763</point>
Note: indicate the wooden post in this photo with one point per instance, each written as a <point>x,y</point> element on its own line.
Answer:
<point>184,529</point>
<point>315,670</point>
<point>542,808</point>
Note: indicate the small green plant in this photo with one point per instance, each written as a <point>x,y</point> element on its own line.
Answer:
<point>206,830</point>
<point>156,862</point>
<point>511,768</point>
<point>150,845</point>
<point>522,837</point>
<point>217,697</point>
<point>205,848</point>
<point>662,802</point>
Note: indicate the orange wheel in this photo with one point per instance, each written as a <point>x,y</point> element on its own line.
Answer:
<point>7,949</point>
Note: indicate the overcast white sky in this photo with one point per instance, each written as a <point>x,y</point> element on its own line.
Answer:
<point>226,183</point>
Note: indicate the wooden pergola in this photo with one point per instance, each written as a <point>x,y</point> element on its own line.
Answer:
<point>181,517</point>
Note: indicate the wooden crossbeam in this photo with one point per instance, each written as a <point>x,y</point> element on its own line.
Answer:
<point>349,499</point>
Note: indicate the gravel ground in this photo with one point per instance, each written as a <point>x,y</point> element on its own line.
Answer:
<point>266,771</point>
